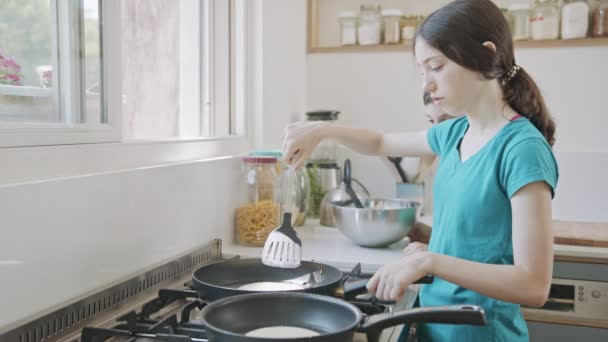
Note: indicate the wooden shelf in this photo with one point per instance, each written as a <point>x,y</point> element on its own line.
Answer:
<point>520,44</point>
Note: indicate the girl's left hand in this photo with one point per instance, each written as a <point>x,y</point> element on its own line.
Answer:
<point>415,247</point>
<point>391,280</point>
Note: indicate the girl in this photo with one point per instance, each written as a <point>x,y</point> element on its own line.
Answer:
<point>492,241</point>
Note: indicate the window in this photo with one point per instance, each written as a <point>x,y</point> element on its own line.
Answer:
<point>170,70</point>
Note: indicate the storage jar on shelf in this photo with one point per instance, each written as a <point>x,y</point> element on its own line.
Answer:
<point>519,19</point>
<point>348,28</point>
<point>575,19</point>
<point>391,19</point>
<point>369,31</point>
<point>544,20</point>
<point>599,20</point>
<point>409,24</point>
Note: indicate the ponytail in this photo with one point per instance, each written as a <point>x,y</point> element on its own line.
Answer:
<point>523,95</point>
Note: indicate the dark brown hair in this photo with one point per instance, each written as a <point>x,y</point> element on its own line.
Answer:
<point>459,30</point>
<point>426,98</point>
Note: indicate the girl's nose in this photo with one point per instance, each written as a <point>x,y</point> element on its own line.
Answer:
<point>428,84</point>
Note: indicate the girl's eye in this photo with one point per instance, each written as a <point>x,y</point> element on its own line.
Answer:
<point>437,68</point>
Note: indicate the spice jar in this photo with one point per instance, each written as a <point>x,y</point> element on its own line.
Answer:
<point>297,188</point>
<point>370,25</point>
<point>392,25</point>
<point>599,20</point>
<point>575,19</point>
<point>519,19</point>
<point>544,20</point>
<point>348,28</point>
<point>260,214</point>
<point>409,24</point>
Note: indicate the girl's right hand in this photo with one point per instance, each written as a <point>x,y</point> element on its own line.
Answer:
<point>299,140</point>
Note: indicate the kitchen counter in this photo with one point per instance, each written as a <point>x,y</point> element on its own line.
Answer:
<point>564,252</point>
<point>328,245</point>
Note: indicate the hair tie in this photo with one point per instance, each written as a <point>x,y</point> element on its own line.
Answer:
<point>514,70</point>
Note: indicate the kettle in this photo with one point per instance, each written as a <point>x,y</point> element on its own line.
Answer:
<point>339,196</point>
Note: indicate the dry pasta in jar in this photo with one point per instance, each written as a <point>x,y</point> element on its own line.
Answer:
<point>260,214</point>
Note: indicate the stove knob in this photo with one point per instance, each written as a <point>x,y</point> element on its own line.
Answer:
<point>596,294</point>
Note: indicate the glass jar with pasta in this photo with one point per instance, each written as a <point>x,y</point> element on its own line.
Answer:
<point>260,213</point>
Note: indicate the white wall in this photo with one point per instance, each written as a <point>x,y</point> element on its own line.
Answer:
<point>284,68</point>
<point>63,238</point>
<point>381,90</point>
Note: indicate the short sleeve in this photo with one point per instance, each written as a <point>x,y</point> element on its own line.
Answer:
<point>529,161</point>
<point>440,136</point>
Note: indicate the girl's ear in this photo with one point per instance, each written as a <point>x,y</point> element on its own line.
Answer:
<point>491,46</point>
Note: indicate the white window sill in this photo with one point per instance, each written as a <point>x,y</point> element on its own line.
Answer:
<point>27,91</point>
<point>46,163</point>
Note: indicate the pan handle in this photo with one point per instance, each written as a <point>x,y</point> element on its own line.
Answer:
<point>357,287</point>
<point>451,314</point>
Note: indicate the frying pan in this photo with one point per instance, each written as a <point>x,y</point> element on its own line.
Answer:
<point>332,320</point>
<point>242,276</point>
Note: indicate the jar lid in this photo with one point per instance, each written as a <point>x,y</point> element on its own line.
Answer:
<point>348,14</point>
<point>389,12</point>
<point>259,160</point>
<point>519,7</point>
<point>322,115</point>
<point>266,153</point>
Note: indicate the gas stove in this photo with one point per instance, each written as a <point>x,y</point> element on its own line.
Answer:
<point>157,305</point>
<point>174,315</point>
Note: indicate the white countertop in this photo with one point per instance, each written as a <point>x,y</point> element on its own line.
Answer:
<point>559,250</point>
<point>328,245</point>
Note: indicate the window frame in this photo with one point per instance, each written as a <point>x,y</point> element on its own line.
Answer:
<point>40,134</point>
<point>87,150</point>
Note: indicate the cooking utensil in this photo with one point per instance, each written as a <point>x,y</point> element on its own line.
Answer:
<point>381,223</point>
<point>338,196</point>
<point>283,247</point>
<point>348,187</point>
<point>397,163</point>
<point>329,319</point>
<point>230,277</point>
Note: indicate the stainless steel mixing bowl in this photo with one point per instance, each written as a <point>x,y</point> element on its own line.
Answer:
<point>380,223</point>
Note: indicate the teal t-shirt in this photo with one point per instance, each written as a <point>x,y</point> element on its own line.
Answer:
<point>472,218</point>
